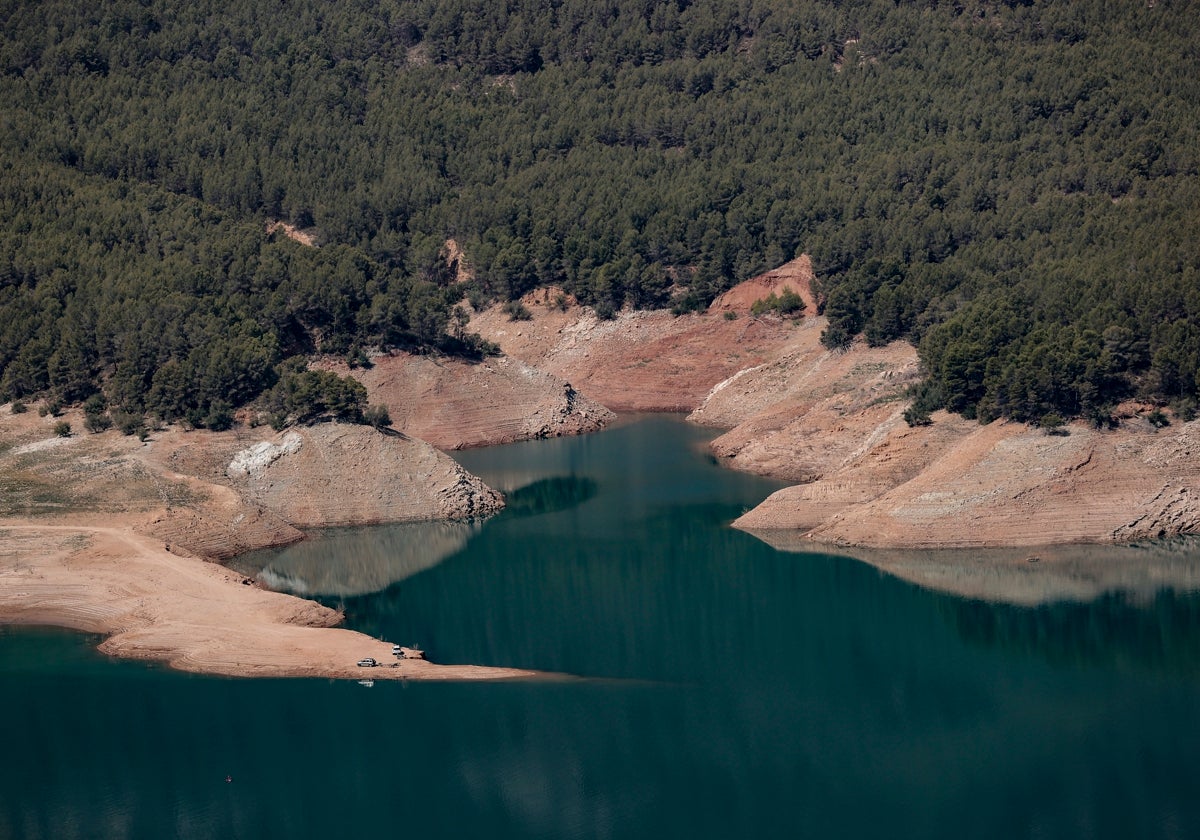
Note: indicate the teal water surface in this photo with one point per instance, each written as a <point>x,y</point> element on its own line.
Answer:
<point>727,690</point>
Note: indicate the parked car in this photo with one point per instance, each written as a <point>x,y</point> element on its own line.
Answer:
<point>367,663</point>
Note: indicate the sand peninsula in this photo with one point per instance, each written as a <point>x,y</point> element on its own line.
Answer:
<point>107,534</point>
<point>194,615</point>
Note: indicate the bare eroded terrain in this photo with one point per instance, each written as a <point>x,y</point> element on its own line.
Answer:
<point>106,534</point>
<point>112,535</point>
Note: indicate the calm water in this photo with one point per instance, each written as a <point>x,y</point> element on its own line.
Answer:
<point>732,690</point>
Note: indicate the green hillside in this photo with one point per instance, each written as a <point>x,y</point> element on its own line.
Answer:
<point>1011,186</point>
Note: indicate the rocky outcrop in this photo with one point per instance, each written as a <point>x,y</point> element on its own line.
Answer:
<point>454,404</point>
<point>901,455</point>
<point>1003,484</point>
<point>217,494</point>
<point>337,474</point>
<point>809,411</point>
<point>253,461</point>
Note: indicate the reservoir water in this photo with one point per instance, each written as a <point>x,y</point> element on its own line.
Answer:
<point>724,690</point>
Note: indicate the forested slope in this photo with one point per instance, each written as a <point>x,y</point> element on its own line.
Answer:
<point>1012,186</point>
<point>183,311</point>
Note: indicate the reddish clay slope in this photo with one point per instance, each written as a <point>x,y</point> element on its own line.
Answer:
<point>796,275</point>
<point>650,361</point>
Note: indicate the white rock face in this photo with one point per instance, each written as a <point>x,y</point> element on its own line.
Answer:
<point>39,445</point>
<point>254,460</point>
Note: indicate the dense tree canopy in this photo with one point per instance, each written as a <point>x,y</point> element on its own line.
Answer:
<point>1010,185</point>
<point>179,310</point>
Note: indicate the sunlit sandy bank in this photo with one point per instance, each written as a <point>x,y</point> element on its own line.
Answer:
<point>193,615</point>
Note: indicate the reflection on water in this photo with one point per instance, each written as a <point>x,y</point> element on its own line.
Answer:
<point>549,495</point>
<point>1158,635</point>
<point>355,561</point>
<point>343,562</point>
<point>1030,576</point>
<point>753,693</point>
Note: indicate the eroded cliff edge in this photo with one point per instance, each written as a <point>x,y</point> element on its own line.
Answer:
<point>217,494</point>
<point>1004,484</point>
<point>834,421</point>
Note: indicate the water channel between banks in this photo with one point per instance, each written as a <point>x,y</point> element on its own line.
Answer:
<point>732,690</point>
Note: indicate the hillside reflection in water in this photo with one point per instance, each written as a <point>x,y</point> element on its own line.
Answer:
<point>356,561</point>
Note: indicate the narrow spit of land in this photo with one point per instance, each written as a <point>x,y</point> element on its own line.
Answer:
<point>193,615</point>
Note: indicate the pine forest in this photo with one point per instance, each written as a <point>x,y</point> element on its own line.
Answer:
<point>1013,187</point>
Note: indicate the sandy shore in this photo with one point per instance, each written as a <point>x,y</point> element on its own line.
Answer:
<point>194,615</point>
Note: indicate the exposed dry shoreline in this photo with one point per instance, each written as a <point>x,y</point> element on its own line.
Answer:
<point>106,534</point>
<point>833,423</point>
<point>192,615</point>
